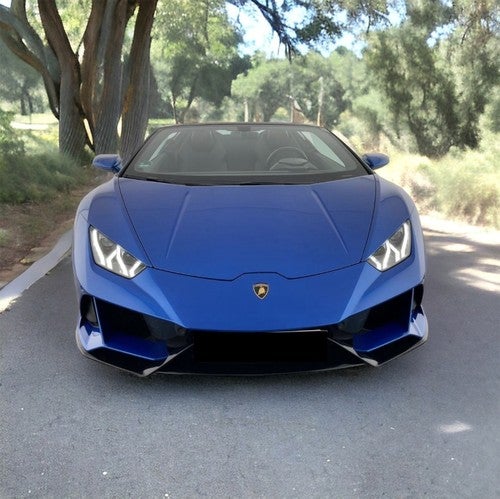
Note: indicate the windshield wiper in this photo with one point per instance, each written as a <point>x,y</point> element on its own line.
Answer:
<point>153,179</point>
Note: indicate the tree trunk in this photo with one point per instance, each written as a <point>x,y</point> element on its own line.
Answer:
<point>173,102</point>
<point>246,111</point>
<point>321,93</point>
<point>192,93</point>
<point>18,35</point>
<point>22,100</point>
<point>108,112</point>
<point>135,107</point>
<point>72,134</point>
<point>90,66</point>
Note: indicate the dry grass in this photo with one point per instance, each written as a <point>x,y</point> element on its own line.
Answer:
<point>464,185</point>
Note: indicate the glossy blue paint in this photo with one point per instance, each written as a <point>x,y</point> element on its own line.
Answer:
<point>376,160</point>
<point>221,232</point>
<point>111,163</point>
<point>333,295</point>
<point>103,208</point>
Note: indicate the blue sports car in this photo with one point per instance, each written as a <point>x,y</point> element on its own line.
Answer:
<point>247,248</point>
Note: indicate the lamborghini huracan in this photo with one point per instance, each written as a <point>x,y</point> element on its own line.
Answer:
<point>247,248</point>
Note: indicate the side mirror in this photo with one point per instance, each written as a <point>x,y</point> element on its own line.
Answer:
<point>111,163</point>
<point>375,160</point>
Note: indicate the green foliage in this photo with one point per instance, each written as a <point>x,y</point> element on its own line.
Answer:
<point>72,14</point>
<point>4,237</point>
<point>36,177</point>
<point>321,87</point>
<point>194,53</point>
<point>265,88</point>
<point>31,177</point>
<point>11,144</point>
<point>19,83</point>
<point>492,111</point>
<point>420,92</point>
<point>435,71</point>
<point>321,21</point>
<point>468,184</point>
<point>317,89</point>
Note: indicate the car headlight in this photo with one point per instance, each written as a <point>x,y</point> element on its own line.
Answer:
<point>111,256</point>
<point>394,250</point>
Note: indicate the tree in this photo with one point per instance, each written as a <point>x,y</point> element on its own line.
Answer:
<point>20,83</point>
<point>317,89</point>
<point>321,20</point>
<point>195,53</point>
<point>435,71</point>
<point>264,88</point>
<point>11,144</point>
<point>86,94</point>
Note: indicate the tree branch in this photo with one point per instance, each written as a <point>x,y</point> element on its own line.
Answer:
<point>274,18</point>
<point>14,32</point>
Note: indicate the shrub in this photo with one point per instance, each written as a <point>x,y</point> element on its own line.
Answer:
<point>10,141</point>
<point>36,177</point>
<point>463,185</point>
<point>31,176</point>
<point>468,184</point>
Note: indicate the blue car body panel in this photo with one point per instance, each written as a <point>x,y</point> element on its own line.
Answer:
<point>251,271</point>
<point>321,227</point>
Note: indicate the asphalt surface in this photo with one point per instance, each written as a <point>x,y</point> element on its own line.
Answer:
<point>427,424</point>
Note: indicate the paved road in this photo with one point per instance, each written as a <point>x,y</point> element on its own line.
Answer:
<point>425,425</point>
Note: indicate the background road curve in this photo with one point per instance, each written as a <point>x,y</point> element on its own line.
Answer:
<point>425,424</point>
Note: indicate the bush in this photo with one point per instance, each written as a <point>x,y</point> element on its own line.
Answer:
<point>468,184</point>
<point>36,177</point>
<point>10,141</point>
<point>31,177</point>
<point>463,185</point>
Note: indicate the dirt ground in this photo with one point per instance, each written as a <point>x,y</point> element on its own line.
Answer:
<point>29,231</point>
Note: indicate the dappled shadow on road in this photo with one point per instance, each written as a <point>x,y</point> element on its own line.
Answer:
<point>475,264</point>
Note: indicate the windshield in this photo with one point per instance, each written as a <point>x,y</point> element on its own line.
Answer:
<point>221,154</point>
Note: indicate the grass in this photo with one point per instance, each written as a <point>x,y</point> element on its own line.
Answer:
<point>28,178</point>
<point>463,185</point>
<point>39,192</point>
<point>31,167</point>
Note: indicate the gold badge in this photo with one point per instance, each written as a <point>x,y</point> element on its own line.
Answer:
<point>261,290</point>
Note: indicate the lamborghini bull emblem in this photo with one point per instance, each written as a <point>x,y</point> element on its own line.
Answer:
<point>261,290</point>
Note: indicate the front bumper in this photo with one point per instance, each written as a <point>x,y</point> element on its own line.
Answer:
<point>144,344</point>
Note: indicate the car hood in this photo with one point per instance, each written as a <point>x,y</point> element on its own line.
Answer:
<point>222,232</point>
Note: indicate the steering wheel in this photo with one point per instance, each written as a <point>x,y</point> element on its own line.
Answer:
<point>284,152</point>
